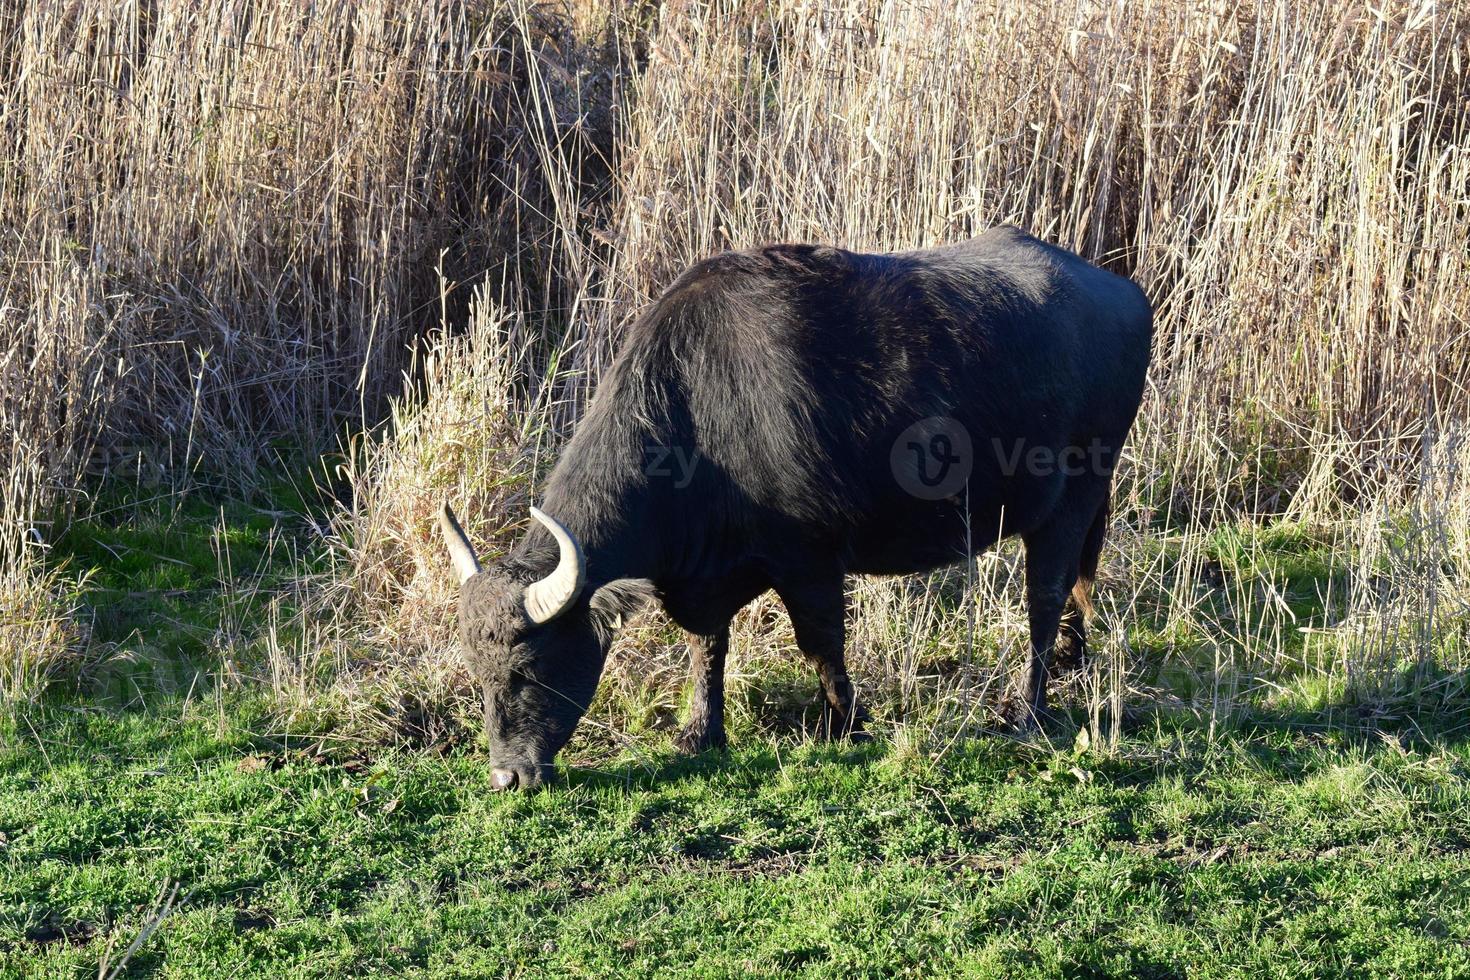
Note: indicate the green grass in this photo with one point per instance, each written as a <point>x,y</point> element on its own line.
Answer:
<point>1301,842</point>
<point>1262,852</point>
<point>166,582</point>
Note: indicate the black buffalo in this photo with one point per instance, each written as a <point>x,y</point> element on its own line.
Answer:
<point>783,417</point>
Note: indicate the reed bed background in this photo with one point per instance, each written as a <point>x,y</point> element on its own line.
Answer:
<point>409,236</point>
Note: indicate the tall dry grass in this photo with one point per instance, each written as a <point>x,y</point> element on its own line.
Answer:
<point>1289,182</point>
<point>1291,185</point>
<point>222,224</point>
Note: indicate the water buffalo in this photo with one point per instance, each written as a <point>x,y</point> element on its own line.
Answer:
<point>785,416</point>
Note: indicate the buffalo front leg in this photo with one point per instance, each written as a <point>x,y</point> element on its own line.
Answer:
<point>706,726</point>
<point>818,609</point>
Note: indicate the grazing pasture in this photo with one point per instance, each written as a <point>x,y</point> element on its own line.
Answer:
<point>276,280</point>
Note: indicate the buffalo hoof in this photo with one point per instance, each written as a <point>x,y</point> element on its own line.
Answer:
<point>835,726</point>
<point>1021,718</point>
<point>694,739</point>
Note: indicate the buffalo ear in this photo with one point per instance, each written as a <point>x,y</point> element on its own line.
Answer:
<point>618,600</point>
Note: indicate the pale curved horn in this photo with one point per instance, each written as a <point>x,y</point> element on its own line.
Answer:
<point>460,550</point>
<point>553,595</point>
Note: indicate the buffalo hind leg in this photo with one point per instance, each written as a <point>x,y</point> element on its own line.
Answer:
<point>1053,562</point>
<point>818,610</point>
<point>706,726</point>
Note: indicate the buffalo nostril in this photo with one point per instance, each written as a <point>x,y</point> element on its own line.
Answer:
<point>503,778</point>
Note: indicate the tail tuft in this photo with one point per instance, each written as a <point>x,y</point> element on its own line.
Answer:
<point>1070,650</point>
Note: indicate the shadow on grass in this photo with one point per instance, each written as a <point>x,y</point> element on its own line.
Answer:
<point>1415,711</point>
<point>1283,742</point>
<point>164,581</point>
<point>742,765</point>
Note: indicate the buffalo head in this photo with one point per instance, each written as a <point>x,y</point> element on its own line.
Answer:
<point>535,649</point>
